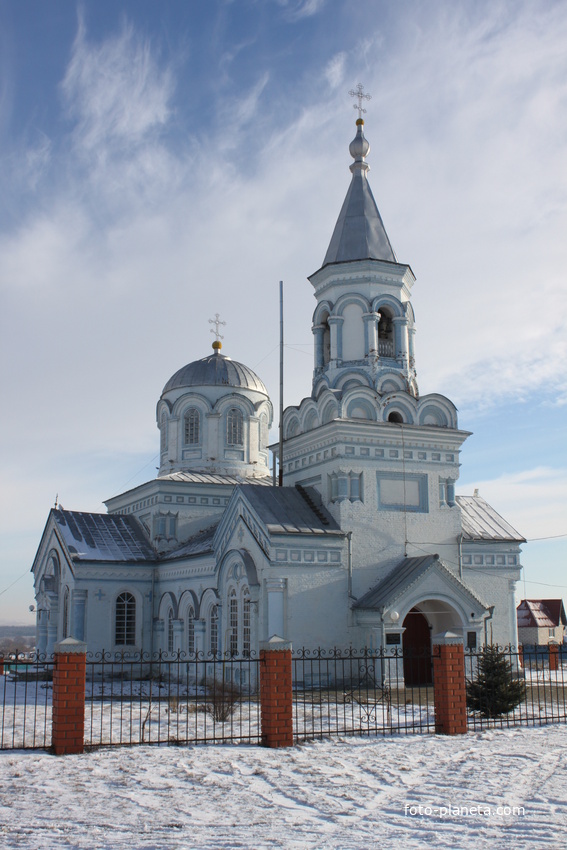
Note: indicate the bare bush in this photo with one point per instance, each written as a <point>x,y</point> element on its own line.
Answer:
<point>221,699</point>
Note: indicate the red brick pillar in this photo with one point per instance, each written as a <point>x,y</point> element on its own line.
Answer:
<point>449,684</point>
<point>1,665</point>
<point>68,718</point>
<point>276,707</point>
<point>553,656</point>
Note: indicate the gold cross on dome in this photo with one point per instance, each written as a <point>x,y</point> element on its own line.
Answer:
<point>359,93</point>
<point>217,323</point>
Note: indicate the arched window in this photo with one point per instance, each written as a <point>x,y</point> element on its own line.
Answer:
<point>170,643</point>
<point>234,429</point>
<point>125,622</point>
<point>163,434</point>
<point>66,613</point>
<point>233,623</point>
<point>246,624</point>
<point>396,417</point>
<point>385,333</point>
<point>191,427</point>
<point>191,630</point>
<point>214,630</point>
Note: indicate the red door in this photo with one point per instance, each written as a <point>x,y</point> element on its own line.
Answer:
<point>417,649</point>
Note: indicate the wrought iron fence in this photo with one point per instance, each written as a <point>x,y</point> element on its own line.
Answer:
<point>507,686</point>
<point>174,699</point>
<point>25,702</point>
<point>350,692</point>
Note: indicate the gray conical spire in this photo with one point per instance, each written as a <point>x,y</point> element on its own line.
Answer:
<point>359,232</point>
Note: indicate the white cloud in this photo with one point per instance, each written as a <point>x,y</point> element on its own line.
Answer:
<point>299,9</point>
<point>116,91</point>
<point>335,70</point>
<point>534,499</point>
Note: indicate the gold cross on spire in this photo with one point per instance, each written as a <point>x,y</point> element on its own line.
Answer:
<point>217,323</point>
<point>359,93</point>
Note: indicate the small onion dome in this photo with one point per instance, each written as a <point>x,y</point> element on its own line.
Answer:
<point>216,370</point>
<point>360,146</point>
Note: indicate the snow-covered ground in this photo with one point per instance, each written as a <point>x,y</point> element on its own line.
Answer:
<point>344,794</point>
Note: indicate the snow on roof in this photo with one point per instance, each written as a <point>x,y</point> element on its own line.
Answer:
<point>541,613</point>
<point>103,537</point>
<point>481,522</point>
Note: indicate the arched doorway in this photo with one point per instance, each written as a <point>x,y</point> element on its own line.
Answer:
<point>417,649</point>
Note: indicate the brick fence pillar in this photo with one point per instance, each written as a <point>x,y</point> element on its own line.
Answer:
<point>553,656</point>
<point>449,684</point>
<point>276,708</point>
<point>68,717</point>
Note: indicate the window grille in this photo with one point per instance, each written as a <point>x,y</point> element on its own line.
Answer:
<point>234,429</point>
<point>125,625</point>
<point>170,630</point>
<point>191,631</point>
<point>233,623</point>
<point>192,427</point>
<point>246,625</point>
<point>214,630</point>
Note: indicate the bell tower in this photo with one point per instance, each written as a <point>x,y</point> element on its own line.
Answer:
<point>363,325</point>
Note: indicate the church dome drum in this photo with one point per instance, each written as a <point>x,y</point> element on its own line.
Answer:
<point>214,416</point>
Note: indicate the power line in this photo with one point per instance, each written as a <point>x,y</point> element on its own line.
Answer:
<point>14,582</point>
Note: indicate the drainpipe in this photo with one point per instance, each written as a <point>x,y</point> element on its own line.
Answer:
<point>486,619</point>
<point>349,566</point>
<point>460,542</point>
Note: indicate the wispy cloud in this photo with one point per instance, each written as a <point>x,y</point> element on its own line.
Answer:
<point>335,70</point>
<point>115,91</point>
<point>296,10</point>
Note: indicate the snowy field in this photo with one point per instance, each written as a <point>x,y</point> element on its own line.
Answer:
<point>350,793</point>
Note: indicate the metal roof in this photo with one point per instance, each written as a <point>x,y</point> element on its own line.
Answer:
<point>481,522</point>
<point>212,478</point>
<point>199,544</point>
<point>103,537</point>
<point>359,233</point>
<point>401,577</point>
<point>214,371</point>
<point>290,510</point>
<point>541,613</point>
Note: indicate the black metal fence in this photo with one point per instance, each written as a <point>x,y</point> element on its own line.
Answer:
<point>25,702</point>
<point>363,692</point>
<point>498,677</point>
<point>179,699</point>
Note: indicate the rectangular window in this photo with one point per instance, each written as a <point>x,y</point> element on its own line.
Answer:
<point>471,640</point>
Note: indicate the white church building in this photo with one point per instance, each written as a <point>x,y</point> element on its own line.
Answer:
<point>364,545</point>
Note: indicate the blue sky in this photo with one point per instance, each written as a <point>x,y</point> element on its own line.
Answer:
<point>162,162</point>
